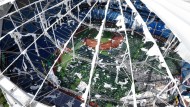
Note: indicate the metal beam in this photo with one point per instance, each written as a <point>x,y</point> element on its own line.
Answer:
<point>15,96</point>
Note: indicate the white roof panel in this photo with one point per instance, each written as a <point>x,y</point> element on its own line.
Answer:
<point>2,2</point>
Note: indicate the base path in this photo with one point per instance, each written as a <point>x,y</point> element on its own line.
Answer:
<point>113,43</point>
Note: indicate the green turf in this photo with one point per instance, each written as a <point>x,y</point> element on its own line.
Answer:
<point>66,58</point>
<point>106,37</point>
<point>107,34</point>
<point>92,33</point>
<point>104,40</point>
<point>78,45</point>
<point>104,53</point>
<point>109,105</point>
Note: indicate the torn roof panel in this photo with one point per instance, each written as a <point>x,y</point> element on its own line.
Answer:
<point>2,2</point>
<point>175,14</point>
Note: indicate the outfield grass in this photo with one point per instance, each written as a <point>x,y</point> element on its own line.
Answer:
<point>78,45</point>
<point>92,33</point>
<point>66,58</point>
<point>104,52</point>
